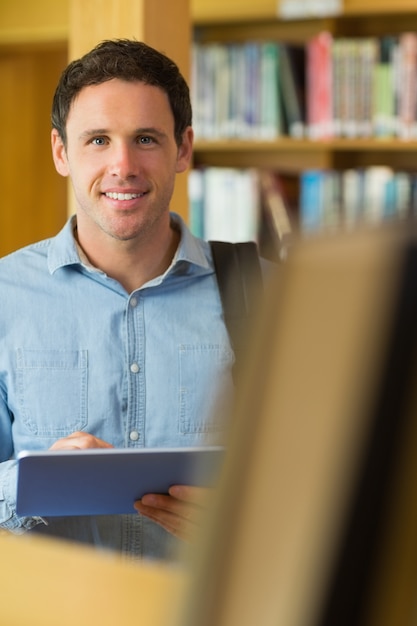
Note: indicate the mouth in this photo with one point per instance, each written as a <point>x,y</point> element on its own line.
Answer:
<point>123,196</point>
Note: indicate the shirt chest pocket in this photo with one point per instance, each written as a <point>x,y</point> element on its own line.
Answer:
<point>52,391</point>
<point>206,388</point>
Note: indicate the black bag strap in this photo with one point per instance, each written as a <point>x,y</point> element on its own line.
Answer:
<point>239,277</point>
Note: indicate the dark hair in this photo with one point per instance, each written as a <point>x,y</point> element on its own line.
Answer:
<point>128,60</point>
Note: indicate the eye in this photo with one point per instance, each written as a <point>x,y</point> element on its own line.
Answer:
<point>145,140</point>
<point>98,141</point>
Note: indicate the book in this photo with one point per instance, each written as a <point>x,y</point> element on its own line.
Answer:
<point>221,90</point>
<point>276,220</point>
<point>252,81</point>
<point>407,95</point>
<point>293,88</point>
<point>375,198</point>
<point>332,201</point>
<point>270,123</point>
<point>368,56</point>
<point>231,204</point>
<point>195,183</point>
<point>383,113</point>
<point>203,90</point>
<point>319,80</point>
<point>234,93</point>
<point>348,82</point>
<point>352,193</point>
<point>338,102</point>
<point>311,201</point>
<point>401,184</point>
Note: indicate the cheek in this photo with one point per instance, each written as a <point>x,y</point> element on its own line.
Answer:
<point>83,173</point>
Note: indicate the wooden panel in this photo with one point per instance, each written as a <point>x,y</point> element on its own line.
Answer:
<point>379,6</point>
<point>227,10</point>
<point>33,195</point>
<point>48,582</point>
<point>140,19</point>
<point>287,488</point>
<point>23,21</point>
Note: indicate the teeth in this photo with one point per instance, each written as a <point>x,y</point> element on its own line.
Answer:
<point>123,196</point>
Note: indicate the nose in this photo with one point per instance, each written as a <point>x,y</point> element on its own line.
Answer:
<point>123,162</point>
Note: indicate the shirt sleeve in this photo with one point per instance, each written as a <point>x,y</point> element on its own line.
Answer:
<point>8,517</point>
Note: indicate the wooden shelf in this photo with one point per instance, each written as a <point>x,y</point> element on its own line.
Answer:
<point>301,145</point>
<point>295,155</point>
<point>241,20</point>
<point>219,11</point>
<point>370,7</point>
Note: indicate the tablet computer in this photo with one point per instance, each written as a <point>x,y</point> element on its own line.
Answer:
<point>107,481</point>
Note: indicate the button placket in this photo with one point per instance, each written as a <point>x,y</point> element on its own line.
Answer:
<point>136,395</point>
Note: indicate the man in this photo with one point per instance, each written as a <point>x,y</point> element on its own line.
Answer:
<point>111,333</point>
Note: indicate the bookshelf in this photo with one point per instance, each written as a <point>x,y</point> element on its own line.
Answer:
<point>239,21</point>
<point>36,41</point>
<point>242,22</point>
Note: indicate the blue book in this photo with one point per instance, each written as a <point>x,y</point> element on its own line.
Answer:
<point>311,200</point>
<point>196,201</point>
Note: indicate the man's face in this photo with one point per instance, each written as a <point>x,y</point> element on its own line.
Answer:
<point>122,158</point>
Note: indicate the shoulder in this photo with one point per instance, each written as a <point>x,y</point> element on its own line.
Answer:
<point>25,255</point>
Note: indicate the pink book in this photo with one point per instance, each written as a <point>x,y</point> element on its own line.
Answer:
<point>320,86</point>
<point>407,81</point>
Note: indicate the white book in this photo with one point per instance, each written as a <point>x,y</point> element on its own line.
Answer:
<point>231,206</point>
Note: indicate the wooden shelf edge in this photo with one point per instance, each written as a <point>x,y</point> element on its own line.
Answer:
<point>378,7</point>
<point>203,13</point>
<point>25,36</point>
<point>301,145</point>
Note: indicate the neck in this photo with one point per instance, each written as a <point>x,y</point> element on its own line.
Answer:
<point>132,263</point>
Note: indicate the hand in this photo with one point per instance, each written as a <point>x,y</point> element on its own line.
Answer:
<point>180,512</point>
<point>79,441</point>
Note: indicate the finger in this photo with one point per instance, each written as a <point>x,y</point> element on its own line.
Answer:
<point>169,504</point>
<point>184,509</point>
<point>188,493</point>
<point>174,524</point>
<point>78,441</point>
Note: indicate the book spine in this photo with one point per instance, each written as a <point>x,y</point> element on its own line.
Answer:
<point>292,88</point>
<point>195,183</point>
<point>407,95</point>
<point>270,107</point>
<point>368,58</point>
<point>311,201</point>
<point>384,89</point>
<point>319,86</point>
<point>251,98</point>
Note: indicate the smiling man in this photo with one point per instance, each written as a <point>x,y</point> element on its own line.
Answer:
<point>112,332</point>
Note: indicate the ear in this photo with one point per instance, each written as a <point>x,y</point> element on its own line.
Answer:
<point>185,150</point>
<point>59,153</point>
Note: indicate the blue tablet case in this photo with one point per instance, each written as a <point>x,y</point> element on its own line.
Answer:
<point>107,481</point>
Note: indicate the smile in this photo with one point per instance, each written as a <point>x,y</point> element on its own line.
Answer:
<point>123,196</point>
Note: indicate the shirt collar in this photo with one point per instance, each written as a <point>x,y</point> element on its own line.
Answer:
<point>191,250</point>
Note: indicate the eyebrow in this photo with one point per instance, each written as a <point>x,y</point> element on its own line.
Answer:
<point>94,132</point>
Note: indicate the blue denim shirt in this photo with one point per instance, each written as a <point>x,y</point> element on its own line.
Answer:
<point>77,352</point>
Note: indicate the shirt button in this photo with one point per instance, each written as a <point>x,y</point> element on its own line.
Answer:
<point>134,435</point>
<point>133,302</point>
<point>134,368</point>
